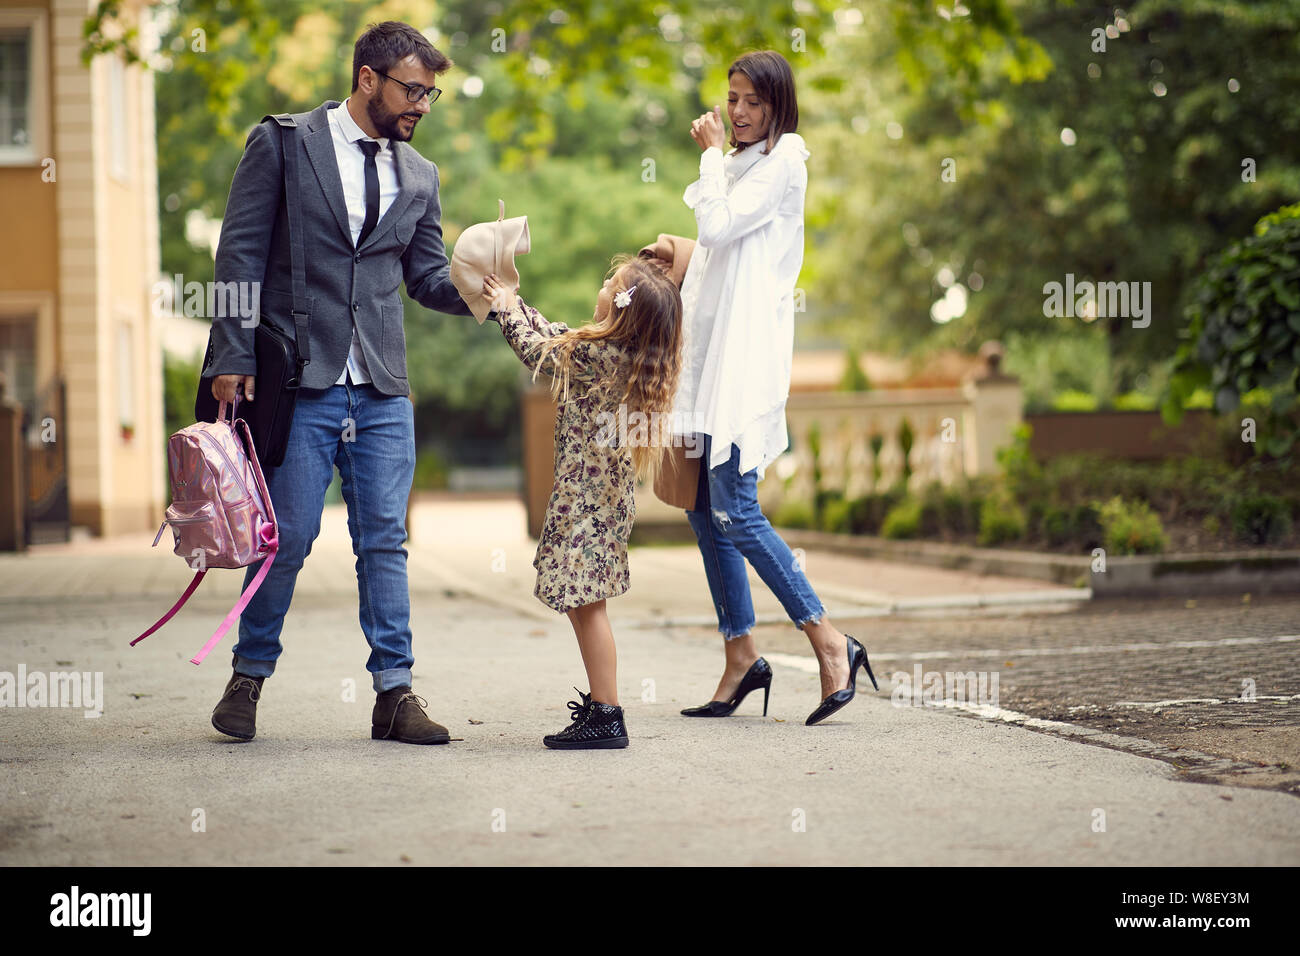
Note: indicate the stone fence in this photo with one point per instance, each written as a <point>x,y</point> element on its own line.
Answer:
<point>859,441</point>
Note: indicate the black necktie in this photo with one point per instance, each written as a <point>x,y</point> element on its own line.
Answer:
<point>370,147</point>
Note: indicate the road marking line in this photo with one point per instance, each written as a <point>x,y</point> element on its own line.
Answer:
<point>1087,648</point>
<point>1149,704</point>
<point>1185,759</point>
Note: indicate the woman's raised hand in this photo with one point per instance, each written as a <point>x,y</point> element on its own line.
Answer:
<point>708,130</point>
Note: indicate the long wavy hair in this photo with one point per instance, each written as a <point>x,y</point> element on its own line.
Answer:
<point>649,330</point>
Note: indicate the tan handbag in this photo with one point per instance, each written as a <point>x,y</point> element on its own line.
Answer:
<point>679,478</point>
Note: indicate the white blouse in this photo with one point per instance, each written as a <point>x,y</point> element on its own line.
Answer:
<point>738,299</point>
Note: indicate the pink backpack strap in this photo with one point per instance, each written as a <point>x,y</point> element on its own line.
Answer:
<point>270,534</point>
<point>268,530</point>
<point>272,540</point>
<point>198,576</point>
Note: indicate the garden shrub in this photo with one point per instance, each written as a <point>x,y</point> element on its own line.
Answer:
<point>1131,527</point>
<point>793,514</point>
<point>836,515</point>
<point>903,520</point>
<point>1261,519</point>
<point>1001,519</point>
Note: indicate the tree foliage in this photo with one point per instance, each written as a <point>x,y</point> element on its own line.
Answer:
<point>1243,330</point>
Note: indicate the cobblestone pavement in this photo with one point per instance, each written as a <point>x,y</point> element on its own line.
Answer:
<point>1186,681</point>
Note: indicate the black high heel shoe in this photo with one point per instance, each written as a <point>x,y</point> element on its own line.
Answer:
<point>758,675</point>
<point>857,658</point>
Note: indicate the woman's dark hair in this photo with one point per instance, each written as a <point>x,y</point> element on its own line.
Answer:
<point>773,82</point>
<point>386,44</point>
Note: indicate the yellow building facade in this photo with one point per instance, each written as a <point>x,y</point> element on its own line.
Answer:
<point>80,347</point>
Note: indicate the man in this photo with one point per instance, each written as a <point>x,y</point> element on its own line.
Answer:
<point>371,219</point>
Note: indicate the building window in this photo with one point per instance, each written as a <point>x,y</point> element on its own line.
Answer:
<point>16,90</point>
<point>18,360</point>
<point>24,87</point>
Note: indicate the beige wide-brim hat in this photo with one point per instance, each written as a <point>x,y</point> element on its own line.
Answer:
<point>487,248</point>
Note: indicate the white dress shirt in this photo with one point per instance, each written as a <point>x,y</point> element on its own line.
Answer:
<point>352,171</point>
<point>738,300</point>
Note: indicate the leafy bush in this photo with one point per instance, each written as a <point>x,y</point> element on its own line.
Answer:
<point>1020,470</point>
<point>1131,527</point>
<point>903,520</point>
<point>1261,519</point>
<point>793,514</point>
<point>180,382</point>
<point>956,514</point>
<point>1088,532</point>
<point>836,515</point>
<point>1077,527</point>
<point>430,470</point>
<point>1243,330</point>
<point>822,499</point>
<point>1135,402</point>
<point>867,514</point>
<point>1058,525</point>
<point>1001,519</point>
<point>932,511</point>
<point>1074,401</point>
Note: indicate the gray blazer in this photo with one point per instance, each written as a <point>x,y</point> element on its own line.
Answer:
<point>344,284</point>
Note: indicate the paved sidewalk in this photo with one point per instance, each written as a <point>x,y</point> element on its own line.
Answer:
<point>879,784</point>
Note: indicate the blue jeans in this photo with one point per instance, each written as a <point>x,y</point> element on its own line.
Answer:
<point>731,529</point>
<point>370,436</point>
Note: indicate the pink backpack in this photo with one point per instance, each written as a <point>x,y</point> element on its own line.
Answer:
<point>221,514</point>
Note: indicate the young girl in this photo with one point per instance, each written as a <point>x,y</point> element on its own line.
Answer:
<point>628,356</point>
<point>739,338</point>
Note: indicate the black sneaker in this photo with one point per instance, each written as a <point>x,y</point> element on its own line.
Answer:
<point>594,726</point>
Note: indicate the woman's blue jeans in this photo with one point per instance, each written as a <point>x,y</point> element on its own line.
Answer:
<point>731,530</point>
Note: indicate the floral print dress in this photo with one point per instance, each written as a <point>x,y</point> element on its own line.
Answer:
<point>582,553</point>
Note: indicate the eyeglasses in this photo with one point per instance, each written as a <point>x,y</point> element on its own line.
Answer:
<point>416,92</point>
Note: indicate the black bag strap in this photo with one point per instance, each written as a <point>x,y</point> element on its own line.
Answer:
<point>292,195</point>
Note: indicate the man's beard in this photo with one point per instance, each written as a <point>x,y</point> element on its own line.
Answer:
<point>386,123</point>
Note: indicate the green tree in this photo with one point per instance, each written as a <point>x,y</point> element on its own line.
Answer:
<point>1243,330</point>
<point>1123,165</point>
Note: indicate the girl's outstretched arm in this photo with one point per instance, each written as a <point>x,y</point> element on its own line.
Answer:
<point>526,329</point>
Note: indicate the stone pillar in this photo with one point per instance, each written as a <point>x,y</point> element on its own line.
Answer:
<point>993,411</point>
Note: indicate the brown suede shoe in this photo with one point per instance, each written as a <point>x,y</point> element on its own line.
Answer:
<point>399,715</point>
<point>236,713</point>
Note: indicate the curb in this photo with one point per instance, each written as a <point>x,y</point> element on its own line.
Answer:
<point>1071,571</point>
<point>1180,575</point>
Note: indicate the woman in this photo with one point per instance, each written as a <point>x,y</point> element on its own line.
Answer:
<point>738,340</point>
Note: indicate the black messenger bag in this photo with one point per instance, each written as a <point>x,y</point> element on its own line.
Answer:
<point>280,360</point>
